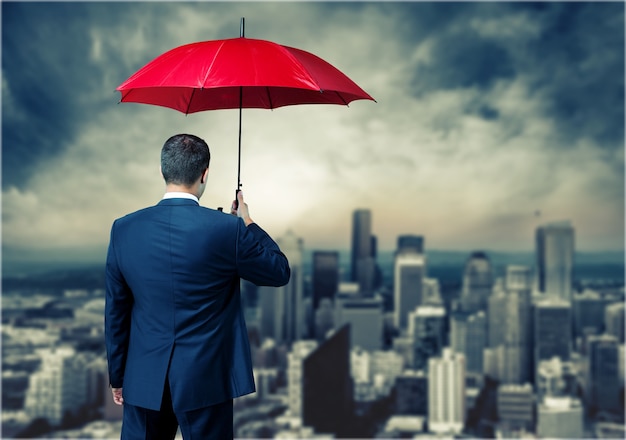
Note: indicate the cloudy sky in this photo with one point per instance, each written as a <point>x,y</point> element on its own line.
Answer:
<point>487,115</point>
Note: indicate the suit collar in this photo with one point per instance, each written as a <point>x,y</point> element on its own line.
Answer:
<point>177,201</point>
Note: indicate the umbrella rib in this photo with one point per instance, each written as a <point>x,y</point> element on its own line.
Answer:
<point>269,98</point>
<point>190,99</point>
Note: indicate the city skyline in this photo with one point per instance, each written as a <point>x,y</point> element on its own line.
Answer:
<point>482,121</point>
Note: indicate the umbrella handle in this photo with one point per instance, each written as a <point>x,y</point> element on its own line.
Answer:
<point>237,191</point>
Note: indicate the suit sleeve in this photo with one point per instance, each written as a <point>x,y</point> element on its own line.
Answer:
<point>259,259</point>
<point>118,307</point>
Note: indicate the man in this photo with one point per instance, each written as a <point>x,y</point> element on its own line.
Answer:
<point>177,344</point>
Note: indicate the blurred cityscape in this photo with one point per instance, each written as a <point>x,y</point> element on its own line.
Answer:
<point>409,343</point>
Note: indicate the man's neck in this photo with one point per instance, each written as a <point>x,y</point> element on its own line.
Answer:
<point>182,189</point>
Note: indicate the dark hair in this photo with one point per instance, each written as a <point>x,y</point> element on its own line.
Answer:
<point>184,157</point>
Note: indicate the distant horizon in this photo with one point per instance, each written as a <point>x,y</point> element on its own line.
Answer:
<point>68,259</point>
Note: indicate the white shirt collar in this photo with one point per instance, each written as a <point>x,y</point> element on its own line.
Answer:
<point>180,195</point>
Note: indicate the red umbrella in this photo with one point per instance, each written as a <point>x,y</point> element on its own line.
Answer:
<point>238,73</point>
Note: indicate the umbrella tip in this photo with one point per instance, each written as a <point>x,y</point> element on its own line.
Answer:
<point>242,27</point>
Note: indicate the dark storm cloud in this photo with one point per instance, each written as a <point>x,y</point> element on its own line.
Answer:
<point>51,86</point>
<point>575,62</point>
<point>579,65</point>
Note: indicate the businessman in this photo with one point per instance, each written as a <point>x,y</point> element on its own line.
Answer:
<point>176,340</point>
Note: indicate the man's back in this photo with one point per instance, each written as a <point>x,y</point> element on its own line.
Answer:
<point>173,270</point>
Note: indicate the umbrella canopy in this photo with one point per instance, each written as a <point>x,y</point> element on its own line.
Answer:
<point>238,73</point>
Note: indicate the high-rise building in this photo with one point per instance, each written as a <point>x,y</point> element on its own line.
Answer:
<point>325,276</point>
<point>518,334</point>
<point>516,407</point>
<point>365,316</point>
<point>477,282</point>
<point>588,313</point>
<point>59,386</point>
<point>468,335</point>
<point>446,393</point>
<point>560,417</point>
<point>555,259</point>
<point>410,243</point>
<point>509,316</point>
<point>293,291</point>
<point>427,330</point>
<point>408,286</point>
<point>614,320</point>
<point>552,330</point>
<point>603,373</point>
<point>412,393</point>
<point>327,389</point>
<point>300,350</point>
<point>363,262</point>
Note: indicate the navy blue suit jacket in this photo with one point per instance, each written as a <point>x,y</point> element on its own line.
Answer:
<point>173,303</point>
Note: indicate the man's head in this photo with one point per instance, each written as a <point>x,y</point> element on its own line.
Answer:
<point>184,159</point>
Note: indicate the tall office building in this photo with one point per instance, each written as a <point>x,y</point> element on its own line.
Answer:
<point>293,291</point>
<point>365,316</point>
<point>327,389</point>
<point>555,259</point>
<point>614,320</point>
<point>552,330</point>
<point>412,393</point>
<point>468,335</point>
<point>300,350</point>
<point>477,282</point>
<point>588,313</point>
<point>270,306</point>
<point>603,373</point>
<point>410,243</point>
<point>509,316</point>
<point>59,386</point>
<point>427,330</point>
<point>325,276</point>
<point>446,393</point>
<point>363,262</point>
<point>518,333</point>
<point>408,286</point>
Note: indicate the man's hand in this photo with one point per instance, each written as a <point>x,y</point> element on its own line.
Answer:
<point>242,210</point>
<point>117,396</point>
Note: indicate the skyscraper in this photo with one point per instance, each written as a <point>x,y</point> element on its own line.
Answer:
<point>293,291</point>
<point>477,282</point>
<point>325,276</point>
<point>427,330</point>
<point>327,389</point>
<point>59,386</point>
<point>603,373</point>
<point>468,336</point>
<point>510,335</point>
<point>408,286</point>
<point>363,262</point>
<point>552,330</point>
<point>411,243</point>
<point>300,350</point>
<point>412,393</point>
<point>555,259</point>
<point>614,320</point>
<point>588,313</point>
<point>365,316</point>
<point>446,393</point>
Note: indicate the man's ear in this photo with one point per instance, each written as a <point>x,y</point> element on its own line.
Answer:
<point>204,176</point>
<point>161,171</point>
